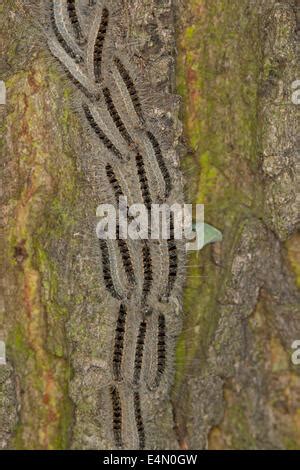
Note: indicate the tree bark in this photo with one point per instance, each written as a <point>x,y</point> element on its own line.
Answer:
<point>235,384</point>
<point>236,67</point>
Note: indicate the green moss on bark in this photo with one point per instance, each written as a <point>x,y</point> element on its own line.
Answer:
<point>39,128</point>
<point>219,64</point>
<point>232,56</point>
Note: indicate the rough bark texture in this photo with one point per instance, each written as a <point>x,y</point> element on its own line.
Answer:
<point>237,62</point>
<point>235,384</point>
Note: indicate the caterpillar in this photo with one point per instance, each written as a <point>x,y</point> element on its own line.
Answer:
<point>108,280</point>
<point>127,262</point>
<point>161,163</point>
<point>89,40</point>
<point>98,48</point>
<point>74,21</point>
<point>104,139</point>
<point>58,25</point>
<point>113,181</point>
<point>130,87</point>
<point>144,185</point>
<point>148,275</point>
<point>173,259</point>
<point>119,342</point>
<point>161,349</point>
<point>138,361</point>
<point>116,117</point>
<point>139,420</point>
<point>117,416</point>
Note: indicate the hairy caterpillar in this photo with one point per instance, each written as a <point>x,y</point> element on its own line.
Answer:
<point>143,180</point>
<point>74,21</point>
<point>161,163</point>
<point>161,348</point>
<point>117,416</point>
<point>130,87</point>
<point>98,47</point>
<point>140,344</point>
<point>107,275</point>
<point>60,30</point>
<point>98,131</point>
<point>126,156</point>
<point>127,263</point>
<point>119,342</point>
<point>173,259</point>
<point>148,275</point>
<point>139,420</point>
<point>116,117</point>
